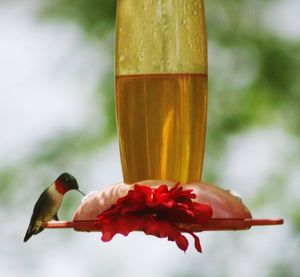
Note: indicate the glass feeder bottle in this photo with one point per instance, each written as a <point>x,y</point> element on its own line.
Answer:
<point>161,89</point>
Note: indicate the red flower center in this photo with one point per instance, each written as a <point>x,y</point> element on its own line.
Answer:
<point>156,211</point>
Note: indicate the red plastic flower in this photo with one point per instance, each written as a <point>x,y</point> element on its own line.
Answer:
<point>157,212</point>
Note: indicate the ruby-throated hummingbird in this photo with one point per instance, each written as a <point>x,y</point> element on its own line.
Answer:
<point>49,202</point>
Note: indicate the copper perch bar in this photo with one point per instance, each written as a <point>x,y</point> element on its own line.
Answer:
<point>215,224</point>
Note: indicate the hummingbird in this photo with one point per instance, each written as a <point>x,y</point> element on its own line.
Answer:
<point>46,207</point>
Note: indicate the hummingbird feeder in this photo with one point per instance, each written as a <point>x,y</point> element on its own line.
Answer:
<point>161,108</point>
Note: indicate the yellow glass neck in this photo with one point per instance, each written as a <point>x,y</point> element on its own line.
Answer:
<point>161,36</point>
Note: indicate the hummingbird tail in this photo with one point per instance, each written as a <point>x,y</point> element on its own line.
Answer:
<point>28,236</point>
<point>32,231</point>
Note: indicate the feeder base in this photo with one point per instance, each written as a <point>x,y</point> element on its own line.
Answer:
<point>215,224</point>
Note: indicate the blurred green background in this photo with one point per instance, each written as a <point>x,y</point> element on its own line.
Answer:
<point>57,114</point>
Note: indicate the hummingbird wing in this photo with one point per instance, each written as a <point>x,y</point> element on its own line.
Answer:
<point>40,209</point>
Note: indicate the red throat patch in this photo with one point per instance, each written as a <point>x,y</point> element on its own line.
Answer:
<point>59,186</point>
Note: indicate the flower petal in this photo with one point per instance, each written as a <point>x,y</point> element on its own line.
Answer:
<point>156,211</point>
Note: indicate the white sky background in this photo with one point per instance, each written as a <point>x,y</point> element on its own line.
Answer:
<point>283,18</point>
<point>44,70</point>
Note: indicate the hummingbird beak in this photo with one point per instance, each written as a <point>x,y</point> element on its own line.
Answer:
<point>81,192</point>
